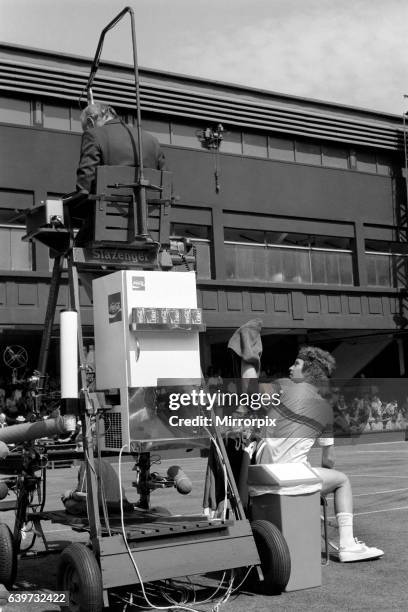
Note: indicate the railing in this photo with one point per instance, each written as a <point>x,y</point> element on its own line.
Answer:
<point>288,264</point>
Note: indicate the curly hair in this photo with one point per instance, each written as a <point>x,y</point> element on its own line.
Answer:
<point>318,365</point>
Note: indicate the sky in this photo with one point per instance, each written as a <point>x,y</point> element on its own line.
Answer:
<point>351,52</point>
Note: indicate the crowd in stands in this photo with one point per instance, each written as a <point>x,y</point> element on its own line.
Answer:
<point>367,412</point>
<point>16,403</point>
<point>355,409</point>
<point>14,406</point>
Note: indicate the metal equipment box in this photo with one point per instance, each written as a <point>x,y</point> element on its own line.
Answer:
<point>296,515</point>
<point>146,331</point>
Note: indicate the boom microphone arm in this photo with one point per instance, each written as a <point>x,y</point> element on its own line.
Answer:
<point>14,434</point>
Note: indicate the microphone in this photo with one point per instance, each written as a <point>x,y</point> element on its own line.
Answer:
<point>181,481</point>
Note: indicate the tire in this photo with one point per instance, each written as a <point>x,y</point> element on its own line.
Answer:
<point>275,558</point>
<point>80,575</point>
<point>8,557</point>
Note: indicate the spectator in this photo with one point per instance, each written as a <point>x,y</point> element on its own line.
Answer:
<point>404,409</point>
<point>214,380</point>
<point>341,417</point>
<point>2,394</point>
<point>378,424</point>
<point>389,415</point>
<point>400,422</point>
<point>11,409</point>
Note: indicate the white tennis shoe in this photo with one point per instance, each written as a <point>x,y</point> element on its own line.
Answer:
<point>358,552</point>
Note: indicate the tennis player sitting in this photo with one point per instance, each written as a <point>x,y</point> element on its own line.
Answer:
<point>303,417</point>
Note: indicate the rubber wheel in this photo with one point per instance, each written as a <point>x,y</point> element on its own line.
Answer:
<point>80,575</point>
<point>275,558</point>
<point>8,557</point>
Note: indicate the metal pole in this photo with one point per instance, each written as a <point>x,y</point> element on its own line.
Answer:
<point>141,189</point>
<point>95,64</point>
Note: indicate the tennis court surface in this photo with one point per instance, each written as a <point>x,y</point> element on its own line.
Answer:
<point>379,475</point>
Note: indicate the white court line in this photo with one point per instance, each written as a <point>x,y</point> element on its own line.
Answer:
<point>346,446</point>
<point>376,476</point>
<point>383,451</point>
<point>384,510</point>
<point>380,492</point>
<point>374,511</point>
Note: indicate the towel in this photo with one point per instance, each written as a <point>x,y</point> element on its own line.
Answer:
<point>246,343</point>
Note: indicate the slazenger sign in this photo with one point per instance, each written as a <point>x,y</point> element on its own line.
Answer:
<point>114,255</point>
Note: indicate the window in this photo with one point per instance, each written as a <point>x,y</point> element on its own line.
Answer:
<point>232,142</point>
<point>56,117</point>
<point>379,270</point>
<point>336,157</point>
<point>308,153</point>
<point>185,135</point>
<point>384,165</point>
<point>243,235</point>
<point>245,262</point>
<point>255,144</point>
<point>331,267</point>
<point>200,237</point>
<point>281,148</point>
<point>75,120</point>
<point>295,264</point>
<point>160,129</point>
<point>387,265</point>
<point>366,161</point>
<point>279,257</point>
<point>14,253</point>
<point>13,110</point>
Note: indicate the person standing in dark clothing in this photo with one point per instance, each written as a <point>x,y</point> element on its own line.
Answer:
<point>109,141</point>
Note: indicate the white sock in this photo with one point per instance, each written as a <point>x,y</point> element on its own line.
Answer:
<point>345,523</point>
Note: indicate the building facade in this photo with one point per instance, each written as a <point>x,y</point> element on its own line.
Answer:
<point>298,217</point>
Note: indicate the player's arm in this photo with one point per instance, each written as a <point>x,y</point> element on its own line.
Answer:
<point>328,456</point>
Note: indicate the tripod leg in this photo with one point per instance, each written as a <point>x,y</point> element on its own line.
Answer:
<point>86,413</point>
<point>49,316</point>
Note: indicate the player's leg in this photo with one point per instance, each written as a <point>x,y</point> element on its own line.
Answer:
<point>350,549</point>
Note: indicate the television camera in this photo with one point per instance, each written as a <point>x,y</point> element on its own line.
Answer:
<point>146,330</point>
